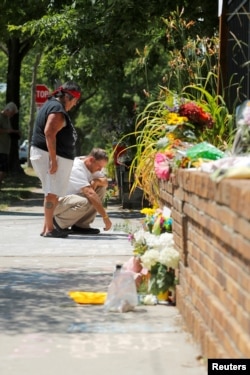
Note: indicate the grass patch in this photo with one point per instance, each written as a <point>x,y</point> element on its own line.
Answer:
<point>16,188</point>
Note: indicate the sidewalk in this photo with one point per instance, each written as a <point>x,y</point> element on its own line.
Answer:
<point>44,332</point>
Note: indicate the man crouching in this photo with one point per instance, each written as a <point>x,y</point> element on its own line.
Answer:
<point>84,199</point>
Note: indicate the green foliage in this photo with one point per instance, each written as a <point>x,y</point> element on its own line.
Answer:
<point>151,126</point>
<point>3,78</point>
<point>161,279</point>
<point>191,73</point>
<point>116,50</point>
<point>220,135</point>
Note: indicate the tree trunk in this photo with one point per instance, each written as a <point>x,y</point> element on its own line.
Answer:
<point>32,102</point>
<point>16,52</point>
<point>12,95</point>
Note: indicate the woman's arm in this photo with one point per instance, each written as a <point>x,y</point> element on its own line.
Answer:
<point>55,122</point>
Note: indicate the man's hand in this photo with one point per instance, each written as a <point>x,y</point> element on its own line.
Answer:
<point>107,223</point>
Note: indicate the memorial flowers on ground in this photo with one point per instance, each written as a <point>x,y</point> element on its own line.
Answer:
<point>155,257</point>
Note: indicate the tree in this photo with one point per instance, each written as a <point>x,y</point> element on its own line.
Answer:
<point>16,46</point>
<point>97,43</point>
<point>93,42</point>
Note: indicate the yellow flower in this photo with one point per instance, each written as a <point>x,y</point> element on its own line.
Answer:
<point>175,119</point>
<point>171,136</point>
<point>148,211</point>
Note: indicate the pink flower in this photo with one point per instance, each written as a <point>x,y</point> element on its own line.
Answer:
<point>160,157</point>
<point>131,237</point>
<point>162,166</point>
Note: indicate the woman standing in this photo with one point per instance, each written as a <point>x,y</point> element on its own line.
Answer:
<point>53,150</point>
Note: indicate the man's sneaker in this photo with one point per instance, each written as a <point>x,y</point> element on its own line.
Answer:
<point>65,231</point>
<point>78,230</point>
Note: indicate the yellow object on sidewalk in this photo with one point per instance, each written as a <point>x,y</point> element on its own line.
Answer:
<point>94,298</point>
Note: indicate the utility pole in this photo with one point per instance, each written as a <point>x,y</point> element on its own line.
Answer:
<point>223,38</point>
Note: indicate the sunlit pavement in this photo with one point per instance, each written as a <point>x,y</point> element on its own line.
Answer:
<point>43,331</point>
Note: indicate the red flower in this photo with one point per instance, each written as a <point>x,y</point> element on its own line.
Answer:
<point>196,114</point>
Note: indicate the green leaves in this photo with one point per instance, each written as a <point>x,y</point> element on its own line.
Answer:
<point>161,279</point>
<point>220,135</point>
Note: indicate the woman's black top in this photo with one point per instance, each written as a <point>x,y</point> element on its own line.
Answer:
<point>65,138</point>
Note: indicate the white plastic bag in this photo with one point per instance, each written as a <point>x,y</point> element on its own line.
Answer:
<point>122,293</point>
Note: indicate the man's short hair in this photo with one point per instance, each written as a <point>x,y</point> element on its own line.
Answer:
<point>11,107</point>
<point>99,154</point>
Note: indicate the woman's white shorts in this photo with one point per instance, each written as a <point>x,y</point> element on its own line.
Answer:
<point>56,183</point>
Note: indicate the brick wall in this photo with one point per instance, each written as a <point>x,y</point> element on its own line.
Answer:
<point>211,227</point>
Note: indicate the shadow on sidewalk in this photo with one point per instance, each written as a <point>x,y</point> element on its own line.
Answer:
<point>38,301</point>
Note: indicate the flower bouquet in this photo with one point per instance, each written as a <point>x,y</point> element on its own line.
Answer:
<point>157,220</point>
<point>161,264</point>
<point>186,122</point>
<point>155,258</point>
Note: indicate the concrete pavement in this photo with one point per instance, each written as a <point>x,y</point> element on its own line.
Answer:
<point>42,331</point>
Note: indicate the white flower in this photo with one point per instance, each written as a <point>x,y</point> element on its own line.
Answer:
<point>159,249</point>
<point>169,257</point>
<point>162,143</point>
<point>139,236</point>
<point>150,258</point>
<point>152,241</point>
<point>166,240</point>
